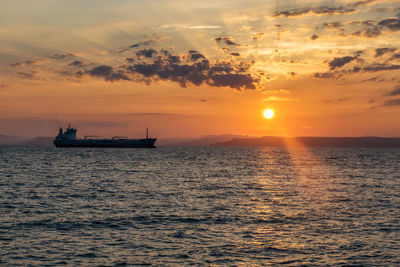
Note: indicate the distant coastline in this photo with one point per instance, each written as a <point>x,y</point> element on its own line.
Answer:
<point>242,141</point>
<point>383,142</point>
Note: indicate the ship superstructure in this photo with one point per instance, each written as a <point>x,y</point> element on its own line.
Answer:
<point>68,138</point>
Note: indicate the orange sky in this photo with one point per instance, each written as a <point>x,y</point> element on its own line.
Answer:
<point>327,68</point>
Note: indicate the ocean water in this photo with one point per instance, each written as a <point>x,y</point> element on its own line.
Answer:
<point>199,206</point>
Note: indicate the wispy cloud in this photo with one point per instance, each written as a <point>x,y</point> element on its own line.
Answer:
<point>392,102</point>
<point>324,9</point>
<point>228,40</point>
<point>258,36</point>
<point>395,91</point>
<point>143,43</point>
<point>381,67</point>
<point>338,62</point>
<point>155,114</point>
<point>316,10</point>
<point>384,50</point>
<point>392,24</point>
<point>279,99</point>
<point>105,72</point>
<point>190,27</point>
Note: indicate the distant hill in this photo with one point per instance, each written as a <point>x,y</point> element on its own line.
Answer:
<point>386,142</point>
<point>206,140</point>
<point>201,141</point>
<point>228,140</point>
<point>39,141</point>
<point>11,140</point>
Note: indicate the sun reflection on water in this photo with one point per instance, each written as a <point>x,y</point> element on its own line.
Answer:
<point>292,184</point>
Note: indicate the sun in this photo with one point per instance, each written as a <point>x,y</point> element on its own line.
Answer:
<point>268,113</point>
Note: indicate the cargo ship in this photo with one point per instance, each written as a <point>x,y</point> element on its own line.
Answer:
<point>68,138</point>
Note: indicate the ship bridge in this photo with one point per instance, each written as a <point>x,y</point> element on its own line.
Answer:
<point>69,134</point>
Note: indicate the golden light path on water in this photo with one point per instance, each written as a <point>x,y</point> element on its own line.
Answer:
<point>312,173</point>
<point>299,168</point>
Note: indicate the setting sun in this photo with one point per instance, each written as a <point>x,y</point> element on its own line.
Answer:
<point>268,113</point>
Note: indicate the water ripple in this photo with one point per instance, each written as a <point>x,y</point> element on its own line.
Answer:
<point>199,206</point>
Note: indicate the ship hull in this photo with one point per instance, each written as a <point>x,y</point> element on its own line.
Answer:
<point>125,143</point>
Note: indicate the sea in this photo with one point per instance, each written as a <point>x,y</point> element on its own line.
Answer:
<point>202,206</point>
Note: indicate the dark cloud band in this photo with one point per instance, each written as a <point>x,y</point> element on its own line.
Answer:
<point>194,68</point>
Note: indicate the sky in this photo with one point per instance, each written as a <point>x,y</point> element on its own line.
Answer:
<point>192,68</point>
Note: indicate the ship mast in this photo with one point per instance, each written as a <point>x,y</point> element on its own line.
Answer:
<point>147,133</point>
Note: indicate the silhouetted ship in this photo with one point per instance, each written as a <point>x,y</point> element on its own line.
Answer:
<point>68,138</point>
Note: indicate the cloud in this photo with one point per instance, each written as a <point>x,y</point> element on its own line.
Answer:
<point>381,51</point>
<point>190,27</point>
<point>62,56</point>
<point>257,36</point>
<point>381,67</point>
<point>200,27</point>
<point>338,100</point>
<point>196,70</point>
<point>292,75</point>
<point>368,29</point>
<point>325,75</point>
<point>146,114</point>
<point>233,80</point>
<point>146,52</point>
<point>42,60</point>
<point>385,10</point>
<point>77,63</point>
<point>64,73</point>
<point>335,24</point>
<point>314,37</point>
<point>356,69</point>
<point>324,10</point>
<point>279,99</point>
<point>372,32</point>
<point>276,92</point>
<point>369,32</point>
<point>227,40</point>
<point>107,73</point>
<point>195,55</point>
<point>395,56</point>
<point>316,10</point>
<point>393,23</point>
<point>173,58</point>
<point>373,79</point>
<point>371,29</point>
<point>395,91</point>
<point>362,3</point>
<point>26,75</point>
<point>144,43</point>
<point>25,63</point>
<point>338,62</point>
<point>191,69</point>
<point>36,62</point>
<point>392,102</point>
<point>235,54</point>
